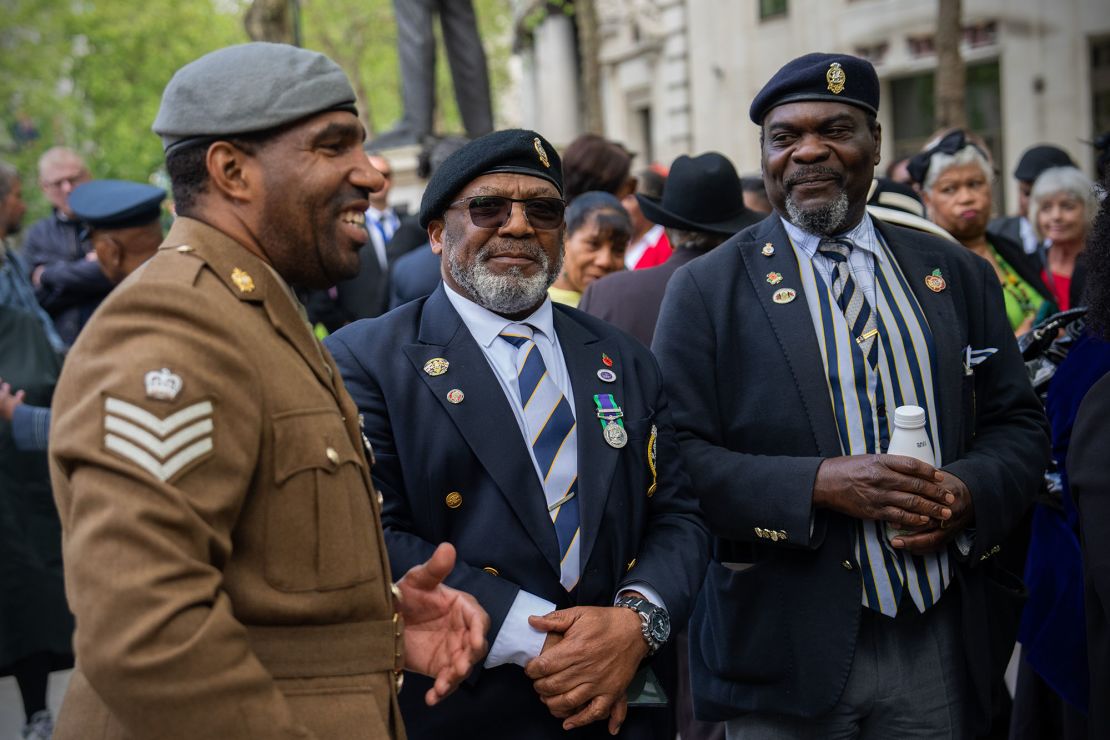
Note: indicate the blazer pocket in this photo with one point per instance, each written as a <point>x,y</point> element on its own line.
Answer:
<point>744,636</point>
<point>319,522</point>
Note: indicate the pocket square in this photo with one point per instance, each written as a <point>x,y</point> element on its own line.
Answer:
<point>973,357</point>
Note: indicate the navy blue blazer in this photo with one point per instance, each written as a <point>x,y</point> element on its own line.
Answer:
<point>426,448</point>
<point>754,419</point>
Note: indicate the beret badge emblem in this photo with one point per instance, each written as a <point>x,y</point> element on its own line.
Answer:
<point>836,78</point>
<point>540,152</point>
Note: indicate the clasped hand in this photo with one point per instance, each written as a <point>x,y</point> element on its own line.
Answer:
<point>588,660</point>
<point>908,493</point>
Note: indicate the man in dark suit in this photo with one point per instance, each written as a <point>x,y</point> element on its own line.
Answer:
<point>470,400</point>
<point>786,351</point>
<point>702,205</point>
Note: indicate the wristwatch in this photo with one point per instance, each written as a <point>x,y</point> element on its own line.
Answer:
<point>655,623</point>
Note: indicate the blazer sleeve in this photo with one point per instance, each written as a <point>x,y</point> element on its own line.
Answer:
<point>724,479</point>
<point>1009,446</point>
<point>407,547</point>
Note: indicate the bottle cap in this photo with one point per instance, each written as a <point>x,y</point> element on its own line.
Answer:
<point>909,417</point>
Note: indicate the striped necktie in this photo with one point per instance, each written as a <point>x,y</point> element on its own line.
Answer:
<point>852,301</point>
<point>552,433</point>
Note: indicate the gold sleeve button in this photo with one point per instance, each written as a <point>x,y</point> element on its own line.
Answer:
<point>453,500</point>
<point>846,565</point>
<point>491,570</point>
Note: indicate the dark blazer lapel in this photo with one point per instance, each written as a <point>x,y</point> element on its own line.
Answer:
<point>792,326</point>
<point>918,257</point>
<point>582,350</point>
<point>484,418</point>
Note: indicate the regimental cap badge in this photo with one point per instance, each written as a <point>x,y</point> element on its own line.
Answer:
<point>162,385</point>
<point>243,281</point>
<point>540,152</point>
<point>836,78</point>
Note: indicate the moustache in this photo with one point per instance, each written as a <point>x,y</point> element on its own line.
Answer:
<point>530,249</point>
<point>813,172</point>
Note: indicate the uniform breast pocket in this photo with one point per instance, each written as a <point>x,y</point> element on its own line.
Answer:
<point>320,532</point>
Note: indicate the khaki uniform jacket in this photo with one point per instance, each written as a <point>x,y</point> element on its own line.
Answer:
<point>222,537</point>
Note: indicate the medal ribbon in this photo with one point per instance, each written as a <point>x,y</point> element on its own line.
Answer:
<point>607,410</point>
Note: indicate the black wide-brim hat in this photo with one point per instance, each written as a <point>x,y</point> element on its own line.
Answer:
<point>702,193</point>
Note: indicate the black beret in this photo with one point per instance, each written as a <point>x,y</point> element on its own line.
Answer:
<point>1039,158</point>
<point>840,78</point>
<point>517,151</point>
<point>116,204</point>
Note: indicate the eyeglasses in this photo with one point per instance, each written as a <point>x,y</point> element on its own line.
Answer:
<point>494,211</point>
<point>72,180</point>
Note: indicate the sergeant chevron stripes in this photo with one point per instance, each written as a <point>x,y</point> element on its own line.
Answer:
<point>162,447</point>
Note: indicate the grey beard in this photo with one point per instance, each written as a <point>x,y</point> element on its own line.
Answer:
<point>825,220</point>
<point>510,292</point>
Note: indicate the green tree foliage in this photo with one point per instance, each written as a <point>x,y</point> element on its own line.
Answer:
<point>89,74</point>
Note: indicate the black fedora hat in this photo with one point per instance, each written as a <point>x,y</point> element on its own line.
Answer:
<point>702,193</point>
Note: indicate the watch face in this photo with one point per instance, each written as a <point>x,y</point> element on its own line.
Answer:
<point>660,626</point>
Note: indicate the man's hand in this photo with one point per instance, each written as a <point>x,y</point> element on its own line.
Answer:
<point>9,400</point>
<point>936,537</point>
<point>890,488</point>
<point>445,629</point>
<point>583,676</point>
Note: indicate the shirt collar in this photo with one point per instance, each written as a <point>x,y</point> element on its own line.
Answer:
<point>485,325</point>
<point>862,236</point>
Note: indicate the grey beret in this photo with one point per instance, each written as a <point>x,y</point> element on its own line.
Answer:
<point>248,88</point>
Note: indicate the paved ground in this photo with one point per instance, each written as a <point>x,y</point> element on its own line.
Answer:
<point>11,709</point>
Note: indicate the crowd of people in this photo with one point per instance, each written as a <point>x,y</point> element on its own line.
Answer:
<point>262,471</point>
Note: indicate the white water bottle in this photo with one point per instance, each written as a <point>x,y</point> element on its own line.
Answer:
<point>909,438</point>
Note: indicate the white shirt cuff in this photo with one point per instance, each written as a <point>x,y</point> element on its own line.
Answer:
<point>517,641</point>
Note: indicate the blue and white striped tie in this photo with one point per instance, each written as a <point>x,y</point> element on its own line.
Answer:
<point>861,319</point>
<point>552,432</point>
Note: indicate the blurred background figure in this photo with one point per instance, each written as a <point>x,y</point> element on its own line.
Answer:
<point>1062,207</point>
<point>67,280</point>
<point>416,274</point>
<point>1033,162</point>
<point>755,194</point>
<point>35,624</point>
<point>123,221</point>
<point>649,246</point>
<point>598,232</point>
<point>701,205</point>
<point>592,162</point>
<point>897,203</point>
<point>954,175</point>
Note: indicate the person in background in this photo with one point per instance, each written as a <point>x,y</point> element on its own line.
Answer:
<point>755,194</point>
<point>1062,207</point>
<point>592,162</point>
<point>701,206</point>
<point>1086,466</point>
<point>598,231</point>
<point>37,625</point>
<point>954,176</point>
<point>68,282</point>
<point>1034,160</point>
<point>649,246</point>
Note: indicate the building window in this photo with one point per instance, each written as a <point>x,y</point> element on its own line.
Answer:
<point>1100,89</point>
<point>771,9</point>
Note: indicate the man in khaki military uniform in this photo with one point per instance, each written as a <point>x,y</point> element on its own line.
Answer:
<point>221,534</point>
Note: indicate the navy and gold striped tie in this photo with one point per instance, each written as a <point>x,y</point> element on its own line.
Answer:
<point>850,298</point>
<point>552,432</point>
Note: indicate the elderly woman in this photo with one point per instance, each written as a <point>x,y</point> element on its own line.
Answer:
<point>598,232</point>
<point>1062,207</point>
<point>954,176</point>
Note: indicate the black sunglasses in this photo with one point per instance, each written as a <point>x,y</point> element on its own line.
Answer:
<point>494,211</point>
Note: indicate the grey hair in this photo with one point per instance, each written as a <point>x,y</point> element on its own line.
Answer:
<point>9,175</point>
<point>940,163</point>
<point>1063,180</point>
<point>57,154</point>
